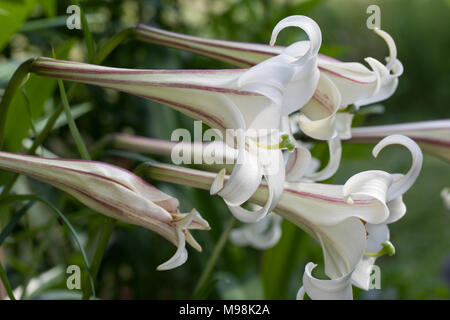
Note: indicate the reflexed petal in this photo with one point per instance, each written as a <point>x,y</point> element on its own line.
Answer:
<point>335,150</point>
<point>361,275</point>
<point>317,117</point>
<point>245,188</point>
<point>401,185</point>
<point>316,289</point>
<point>298,164</point>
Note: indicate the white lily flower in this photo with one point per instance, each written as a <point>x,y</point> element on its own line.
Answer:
<point>340,84</point>
<point>351,82</point>
<point>432,136</point>
<point>116,193</point>
<point>226,100</point>
<point>260,235</point>
<point>388,189</point>
<point>334,215</point>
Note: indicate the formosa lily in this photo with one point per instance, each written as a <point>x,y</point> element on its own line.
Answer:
<point>387,188</point>
<point>340,84</point>
<point>116,193</point>
<point>432,136</point>
<point>335,215</point>
<point>243,100</point>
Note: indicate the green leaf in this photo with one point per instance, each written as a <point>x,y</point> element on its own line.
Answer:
<point>21,197</point>
<point>15,219</point>
<point>12,15</point>
<point>90,45</point>
<point>71,122</point>
<point>38,90</point>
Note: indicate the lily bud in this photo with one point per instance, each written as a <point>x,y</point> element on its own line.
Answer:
<point>116,193</point>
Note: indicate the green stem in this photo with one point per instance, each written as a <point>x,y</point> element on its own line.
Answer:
<point>212,261</point>
<point>6,284</point>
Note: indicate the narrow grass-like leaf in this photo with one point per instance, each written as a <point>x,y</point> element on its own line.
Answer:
<point>15,219</point>
<point>87,33</point>
<point>6,283</point>
<point>22,197</point>
<point>212,261</point>
<point>71,122</point>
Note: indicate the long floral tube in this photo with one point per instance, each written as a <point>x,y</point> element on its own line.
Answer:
<point>116,193</point>
<point>355,82</point>
<point>432,136</point>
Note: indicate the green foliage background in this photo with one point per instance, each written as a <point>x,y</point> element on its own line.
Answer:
<point>419,270</point>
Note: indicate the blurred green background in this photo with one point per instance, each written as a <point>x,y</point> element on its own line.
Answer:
<point>419,270</point>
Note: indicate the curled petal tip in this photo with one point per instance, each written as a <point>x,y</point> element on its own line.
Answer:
<point>307,24</point>
<point>400,186</point>
<point>391,45</point>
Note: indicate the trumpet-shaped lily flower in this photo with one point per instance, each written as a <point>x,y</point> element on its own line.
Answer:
<point>116,193</point>
<point>352,82</point>
<point>340,84</point>
<point>335,215</point>
<point>432,136</point>
<point>246,101</point>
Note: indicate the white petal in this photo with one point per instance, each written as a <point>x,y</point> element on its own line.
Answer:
<point>307,24</point>
<point>397,209</point>
<point>372,184</point>
<point>317,117</point>
<point>180,256</point>
<point>377,234</point>
<point>361,275</point>
<point>335,150</point>
<point>243,182</point>
<point>400,186</point>
<point>344,125</point>
<point>275,183</point>
<point>298,163</point>
<point>335,289</point>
